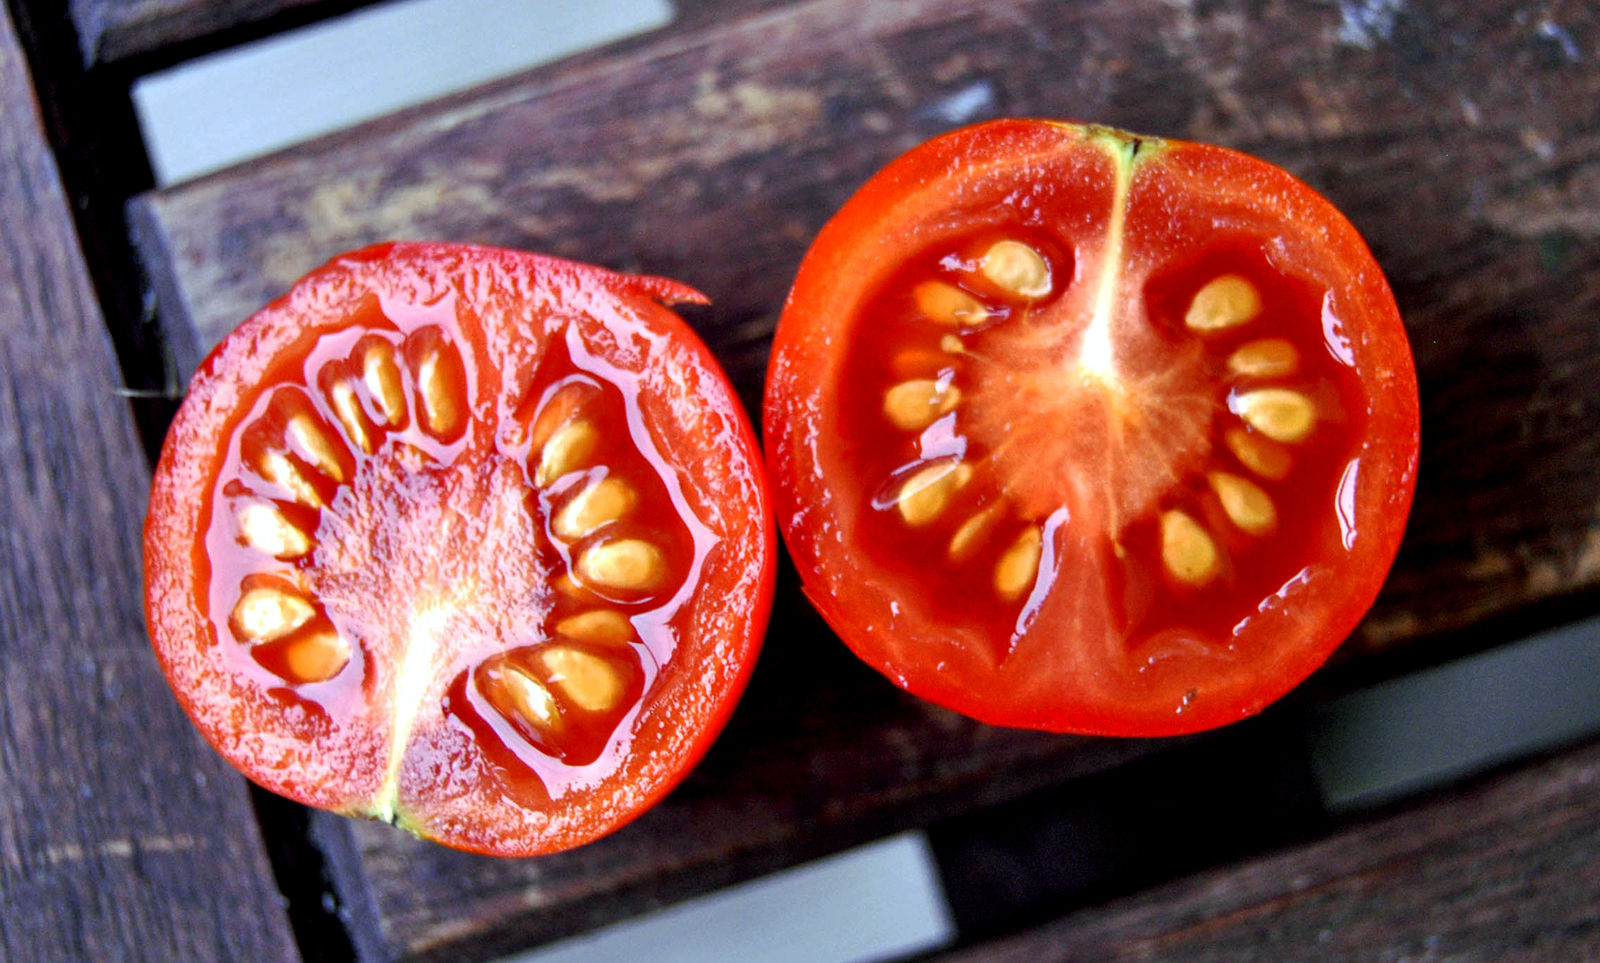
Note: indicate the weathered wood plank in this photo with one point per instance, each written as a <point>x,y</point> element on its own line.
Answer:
<point>1462,138</point>
<point>122,836</point>
<point>1508,870</point>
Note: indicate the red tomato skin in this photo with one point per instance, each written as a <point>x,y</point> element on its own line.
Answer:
<point>930,193</point>
<point>678,724</point>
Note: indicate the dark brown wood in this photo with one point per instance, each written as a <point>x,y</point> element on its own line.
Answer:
<point>1507,871</point>
<point>122,835</point>
<point>1462,138</point>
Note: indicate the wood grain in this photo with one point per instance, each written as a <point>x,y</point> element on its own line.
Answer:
<point>1507,871</point>
<point>122,836</point>
<point>1462,138</point>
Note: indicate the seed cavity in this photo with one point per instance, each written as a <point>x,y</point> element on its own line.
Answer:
<point>1248,507</point>
<point>1266,458</point>
<point>569,447</point>
<point>441,379</point>
<point>629,564</point>
<point>266,530</point>
<point>598,627</point>
<point>948,305</point>
<point>927,492</point>
<point>1187,550</point>
<point>972,531</point>
<point>1225,302</point>
<point>308,436</point>
<point>1279,413</point>
<point>347,408</point>
<point>1018,566</point>
<point>596,506</point>
<point>916,404</point>
<point>266,613</point>
<point>1266,358</point>
<point>1016,268</point>
<point>588,681</point>
<point>315,656</point>
<point>382,378</point>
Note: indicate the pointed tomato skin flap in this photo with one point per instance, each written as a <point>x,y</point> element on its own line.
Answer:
<point>1167,405</point>
<point>468,540</point>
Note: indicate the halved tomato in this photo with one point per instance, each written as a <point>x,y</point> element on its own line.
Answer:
<point>1082,431</point>
<point>468,540</point>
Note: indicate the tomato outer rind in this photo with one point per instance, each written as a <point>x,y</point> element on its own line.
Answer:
<point>937,192</point>
<point>522,302</point>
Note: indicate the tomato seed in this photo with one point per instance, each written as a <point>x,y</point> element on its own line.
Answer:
<point>916,404</point>
<point>566,451</point>
<point>441,378</point>
<point>595,506</point>
<point>1187,551</point>
<point>311,439</point>
<point>278,469</point>
<point>1245,504</point>
<point>265,529</point>
<point>1014,574</point>
<point>1264,457</point>
<point>630,564</point>
<point>587,680</point>
<point>948,305</point>
<point>316,656</point>
<point>1224,302</point>
<point>265,613</point>
<point>347,408</point>
<point>598,626</point>
<point>516,693</point>
<point>1278,413</point>
<point>1267,358</point>
<point>1016,268</point>
<point>971,531</point>
<point>925,495</point>
<point>382,377</point>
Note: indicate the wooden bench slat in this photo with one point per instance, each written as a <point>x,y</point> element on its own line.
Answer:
<point>1508,869</point>
<point>1469,157</point>
<point>122,835</point>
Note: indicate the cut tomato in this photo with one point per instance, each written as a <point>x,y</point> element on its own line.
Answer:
<point>472,541</point>
<point>1080,431</point>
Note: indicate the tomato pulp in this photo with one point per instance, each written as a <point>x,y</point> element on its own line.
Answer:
<point>1075,430</point>
<point>469,540</point>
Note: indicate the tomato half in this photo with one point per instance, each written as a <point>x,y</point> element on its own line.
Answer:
<point>1081,431</point>
<point>468,540</point>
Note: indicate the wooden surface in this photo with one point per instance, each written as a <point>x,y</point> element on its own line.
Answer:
<point>122,836</point>
<point>1503,872</point>
<point>1463,139</point>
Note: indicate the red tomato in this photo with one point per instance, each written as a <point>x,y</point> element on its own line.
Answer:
<point>468,540</point>
<point>1081,431</point>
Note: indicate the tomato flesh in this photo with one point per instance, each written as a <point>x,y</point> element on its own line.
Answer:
<point>434,540</point>
<point>1087,432</point>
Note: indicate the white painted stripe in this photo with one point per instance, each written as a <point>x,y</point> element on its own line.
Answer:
<point>878,902</point>
<point>218,110</point>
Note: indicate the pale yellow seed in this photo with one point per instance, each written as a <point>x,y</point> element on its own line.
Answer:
<point>1017,268</point>
<point>443,407</point>
<point>596,505</point>
<point>278,469</point>
<point>1279,413</point>
<point>1267,358</point>
<point>567,450</point>
<point>1223,303</point>
<point>1014,574</point>
<point>1245,504</point>
<point>347,408</point>
<point>926,494</point>
<point>972,531</point>
<point>914,405</point>
<point>316,657</point>
<point>948,305</point>
<point>1266,458</point>
<point>588,680</point>
<point>264,614</point>
<point>630,564</point>
<point>1187,551</point>
<point>382,377</point>
<point>527,697</point>
<point>599,626</point>
<point>311,439</point>
<point>950,344</point>
<point>265,529</point>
